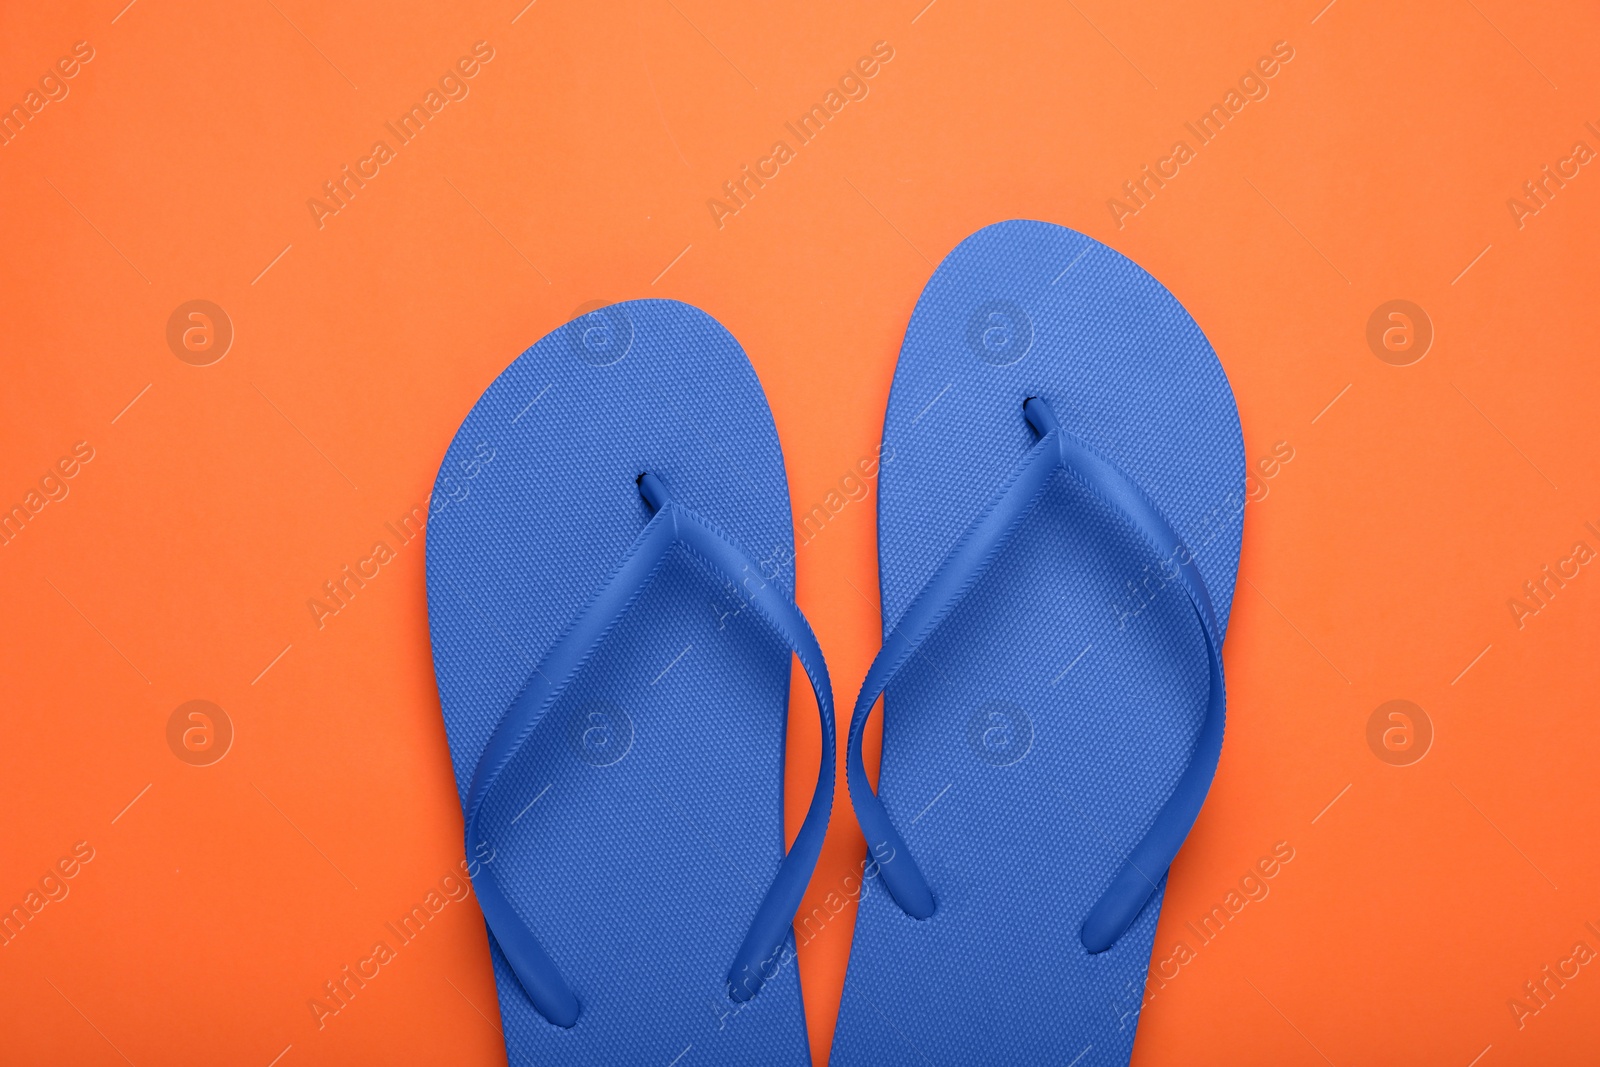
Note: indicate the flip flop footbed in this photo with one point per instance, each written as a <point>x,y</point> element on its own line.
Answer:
<point>1030,744</point>
<point>637,829</point>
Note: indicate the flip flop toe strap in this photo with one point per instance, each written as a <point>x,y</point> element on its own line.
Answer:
<point>1057,449</point>
<point>671,525</point>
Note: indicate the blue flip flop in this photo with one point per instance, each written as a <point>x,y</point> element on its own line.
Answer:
<point>613,622</point>
<point>1058,538</point>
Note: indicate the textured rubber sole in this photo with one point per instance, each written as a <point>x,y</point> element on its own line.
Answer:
<point>1032,741</point>
<point>637,829</point>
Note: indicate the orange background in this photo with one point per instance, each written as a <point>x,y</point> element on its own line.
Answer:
<point>1377,566</point>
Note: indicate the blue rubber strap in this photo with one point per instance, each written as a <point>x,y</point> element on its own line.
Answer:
<point>980,544</point>
<point>673,524</point>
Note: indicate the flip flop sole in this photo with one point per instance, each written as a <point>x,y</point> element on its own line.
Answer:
<point>636,831</point>
<point>1032,741</point>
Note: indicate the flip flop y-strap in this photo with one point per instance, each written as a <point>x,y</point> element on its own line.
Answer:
<point>671,525</point>
<point>979,545</point>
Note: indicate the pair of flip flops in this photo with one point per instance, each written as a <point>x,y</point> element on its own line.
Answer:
<point>610,590</point>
